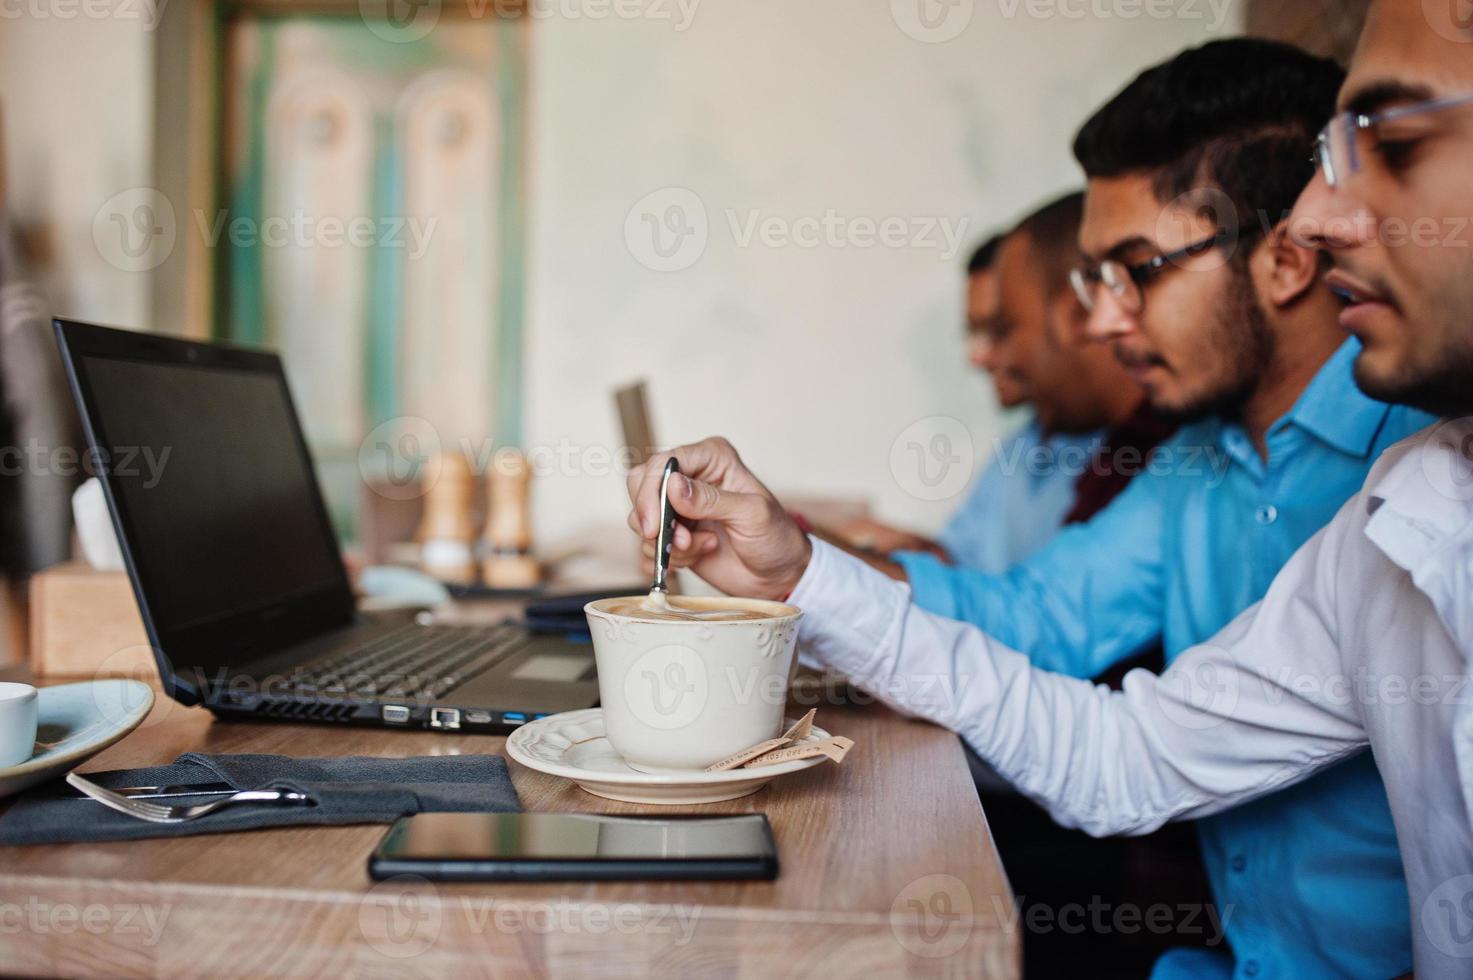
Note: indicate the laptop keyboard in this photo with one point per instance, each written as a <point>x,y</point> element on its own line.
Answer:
<point>413,662</point>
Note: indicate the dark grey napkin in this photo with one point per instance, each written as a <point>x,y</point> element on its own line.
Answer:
<point>352,789</point>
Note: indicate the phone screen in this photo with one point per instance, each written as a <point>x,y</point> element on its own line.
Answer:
<point>450,842</point>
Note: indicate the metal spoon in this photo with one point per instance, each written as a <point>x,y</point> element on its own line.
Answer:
<point>666,538</point>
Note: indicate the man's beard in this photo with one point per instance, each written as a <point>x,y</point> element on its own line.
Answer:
<point>1241,337</point>
<point>1445,386</point>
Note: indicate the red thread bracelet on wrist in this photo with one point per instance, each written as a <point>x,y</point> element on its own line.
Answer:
<point>806,528</point>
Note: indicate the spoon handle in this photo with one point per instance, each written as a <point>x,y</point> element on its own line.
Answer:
<point>666,539</point>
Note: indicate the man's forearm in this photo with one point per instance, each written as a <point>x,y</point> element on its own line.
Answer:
<point>1106,762</point>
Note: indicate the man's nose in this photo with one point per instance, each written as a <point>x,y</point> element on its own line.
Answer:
<point>1108,320</point>
<point>979,352</point>
<point>1330,218</point>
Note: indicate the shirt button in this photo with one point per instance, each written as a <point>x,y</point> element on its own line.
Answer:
<point>1240,863</point>
<point>1267,514</point>
<point>1251,968</point>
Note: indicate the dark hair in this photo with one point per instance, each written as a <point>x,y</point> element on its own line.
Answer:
<point>1053,234</point>
<point>1238,115</point>
<point>984,256</point>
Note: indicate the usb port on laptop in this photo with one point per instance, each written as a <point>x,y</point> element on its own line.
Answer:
<point>513,717</point>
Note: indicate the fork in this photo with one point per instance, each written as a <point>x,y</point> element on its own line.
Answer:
<point>158,813</point>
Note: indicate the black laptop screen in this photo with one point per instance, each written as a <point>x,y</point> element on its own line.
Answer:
<point>217,495</point>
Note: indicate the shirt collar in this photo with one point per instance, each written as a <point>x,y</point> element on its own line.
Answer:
<point>1420,494</point>
<point>1337,412</point>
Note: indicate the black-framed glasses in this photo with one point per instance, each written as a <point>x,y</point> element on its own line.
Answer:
<point>1127,281</point>
<point>1344,144</point>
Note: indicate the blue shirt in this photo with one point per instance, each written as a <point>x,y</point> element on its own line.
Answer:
<point>1312,874</point>
<point>1018,504</point>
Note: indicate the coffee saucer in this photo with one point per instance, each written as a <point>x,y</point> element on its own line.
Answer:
<point>75,722</point>
<point>573,745</point>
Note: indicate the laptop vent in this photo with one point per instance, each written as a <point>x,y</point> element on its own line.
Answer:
<point>307,710</point>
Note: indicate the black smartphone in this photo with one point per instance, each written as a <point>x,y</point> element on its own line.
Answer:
<point>575,847</point>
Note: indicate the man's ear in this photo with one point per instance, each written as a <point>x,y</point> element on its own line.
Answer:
<point>1283,269</point>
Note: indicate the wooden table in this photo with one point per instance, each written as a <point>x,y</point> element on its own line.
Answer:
<point>888,869</point>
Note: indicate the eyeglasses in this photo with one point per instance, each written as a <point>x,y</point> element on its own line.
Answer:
<point>1339,152</point>
<point>1127,282</point>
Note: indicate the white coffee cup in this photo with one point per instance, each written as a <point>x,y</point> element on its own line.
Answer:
<point>17,723</point>
<point>679,695</point>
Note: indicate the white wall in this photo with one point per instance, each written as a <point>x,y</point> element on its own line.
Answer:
<point>76,96</point>
<point>812,360</point>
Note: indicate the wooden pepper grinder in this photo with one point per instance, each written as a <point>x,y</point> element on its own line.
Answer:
<point>507,561</point>
<point>447,534</point>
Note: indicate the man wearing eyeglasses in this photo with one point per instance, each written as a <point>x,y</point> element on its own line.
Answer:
<point>1363,640</point>
<point>1025,327</point>
<point>1225,319</point>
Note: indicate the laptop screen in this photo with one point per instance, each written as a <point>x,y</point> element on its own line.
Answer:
<point>217,494</point>
<point>221,518</point>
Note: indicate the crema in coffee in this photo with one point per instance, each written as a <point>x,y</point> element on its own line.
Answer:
<point>664,608</point>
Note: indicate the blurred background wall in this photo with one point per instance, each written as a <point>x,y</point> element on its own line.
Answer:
<point>676,165</point>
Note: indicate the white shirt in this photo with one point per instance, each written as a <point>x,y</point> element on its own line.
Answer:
<point>1363,639</point>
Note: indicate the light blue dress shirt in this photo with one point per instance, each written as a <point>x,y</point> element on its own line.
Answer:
<point>1312,875</point>
<point>1018,504</point>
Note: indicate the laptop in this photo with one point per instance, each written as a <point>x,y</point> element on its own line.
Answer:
<point>236,569</point>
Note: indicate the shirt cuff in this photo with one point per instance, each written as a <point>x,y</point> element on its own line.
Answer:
<point>851,612</point>
<point>930,584</point>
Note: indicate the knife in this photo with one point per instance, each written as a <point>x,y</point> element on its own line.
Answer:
<point>157,792</point>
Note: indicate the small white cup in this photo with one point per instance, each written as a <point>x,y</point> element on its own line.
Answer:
<point>680,695</point>
<point>17,723</point>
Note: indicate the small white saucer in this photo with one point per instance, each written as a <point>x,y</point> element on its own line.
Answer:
<point>572,745</point>
<point>74,723</point>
